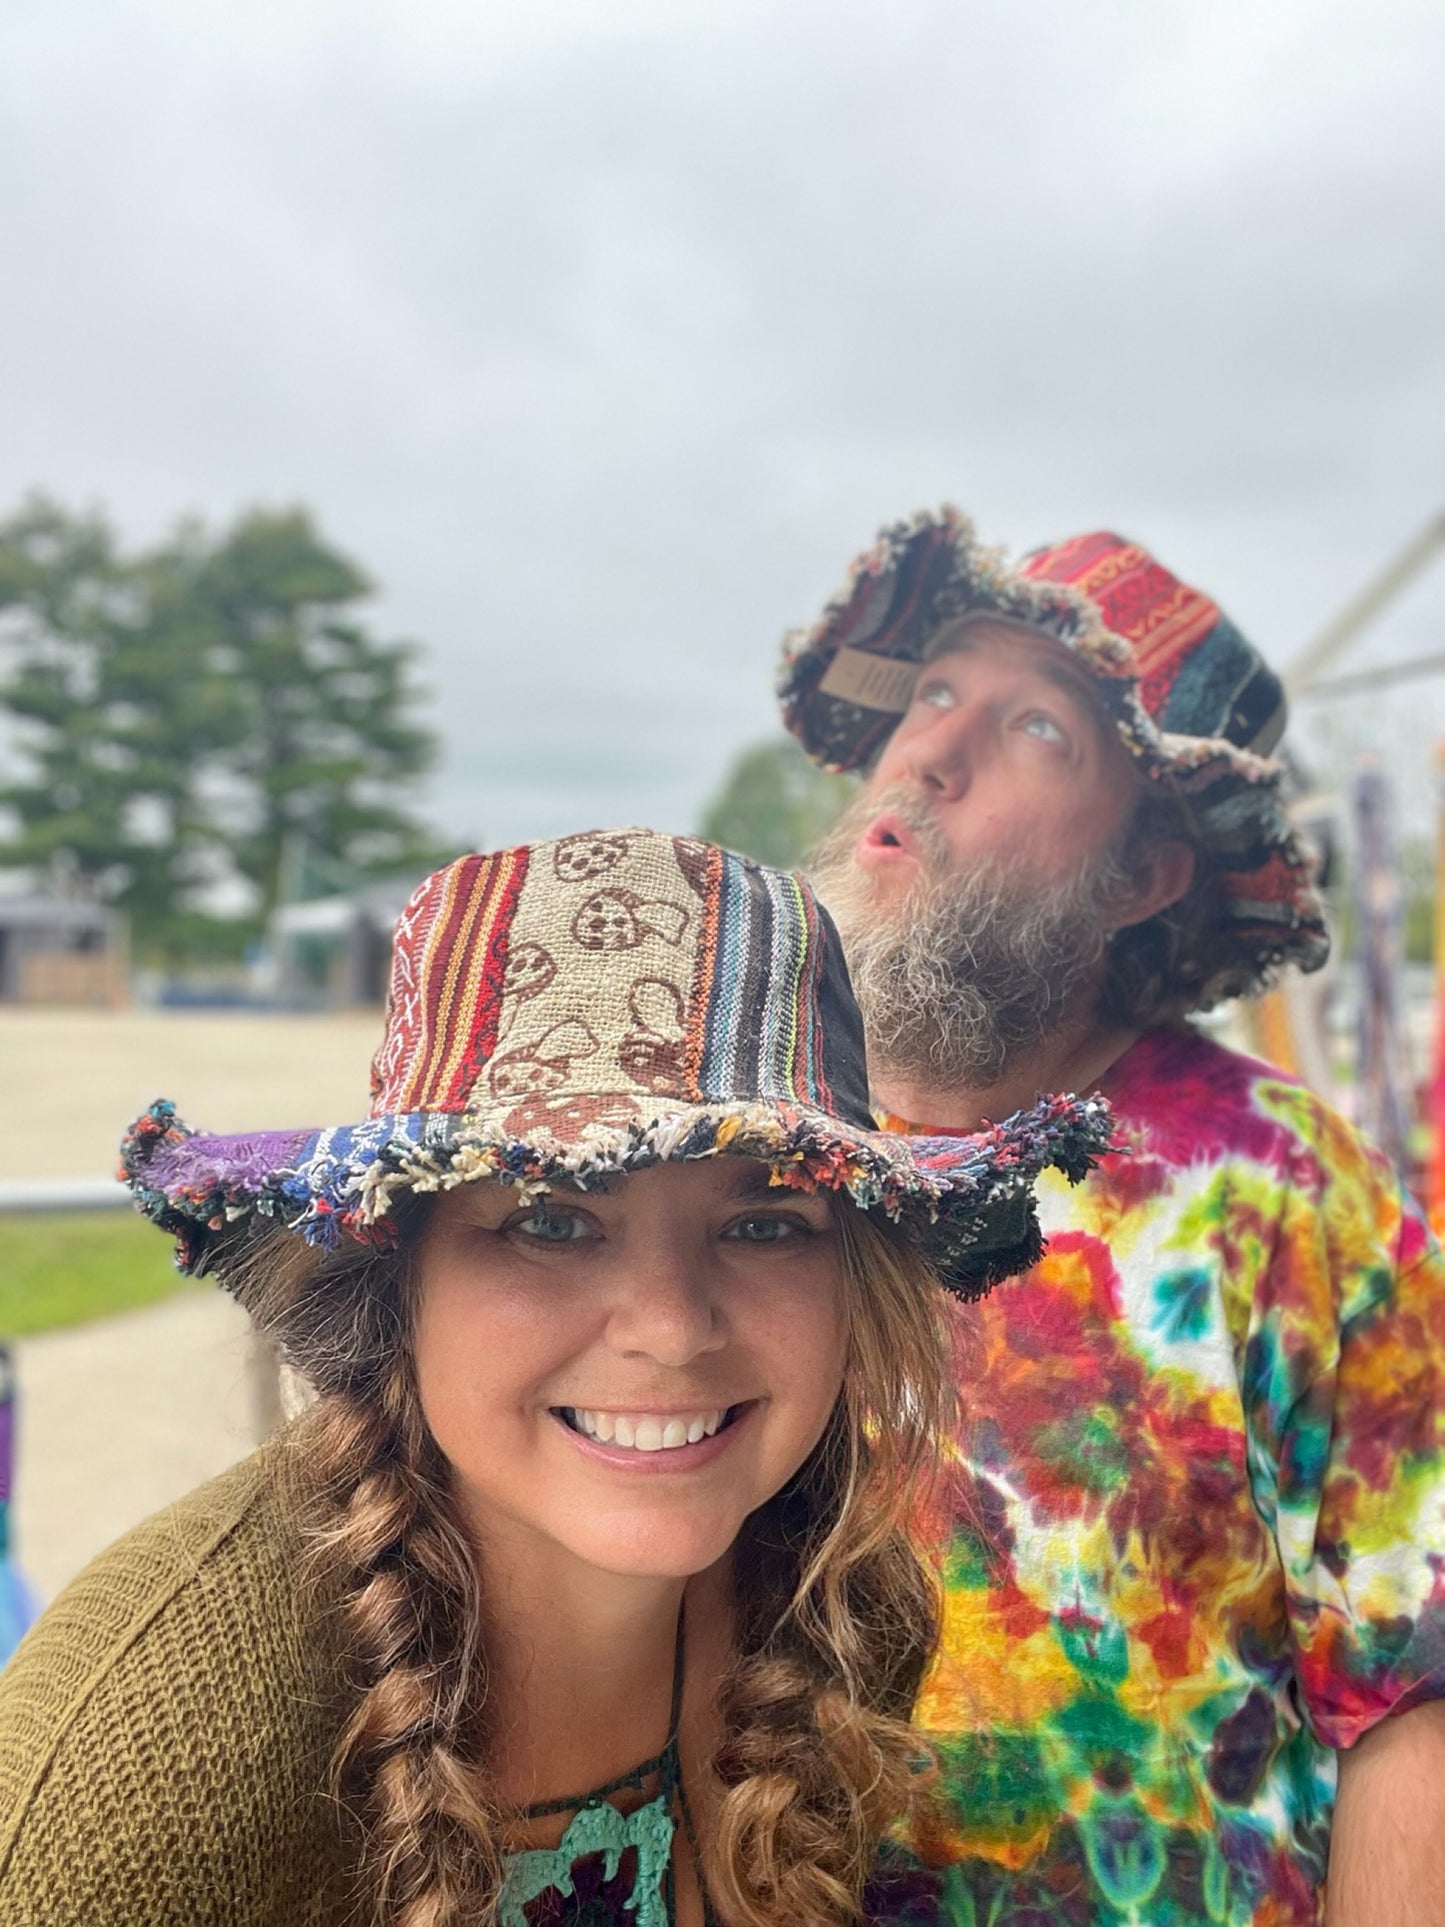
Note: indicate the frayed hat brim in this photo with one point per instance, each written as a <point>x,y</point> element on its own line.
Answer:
<point>967,1201</point>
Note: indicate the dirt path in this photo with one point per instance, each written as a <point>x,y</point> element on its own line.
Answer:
<point>121,1417</point>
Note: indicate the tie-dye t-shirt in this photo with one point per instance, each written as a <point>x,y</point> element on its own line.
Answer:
<point>1195,1524</point>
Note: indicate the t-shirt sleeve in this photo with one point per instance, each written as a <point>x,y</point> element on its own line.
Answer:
<point>1346,1398</point>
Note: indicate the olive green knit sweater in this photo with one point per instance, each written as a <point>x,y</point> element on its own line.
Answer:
<point>164,1732</point>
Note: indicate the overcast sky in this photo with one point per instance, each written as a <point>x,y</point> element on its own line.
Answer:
<point>604,334</point>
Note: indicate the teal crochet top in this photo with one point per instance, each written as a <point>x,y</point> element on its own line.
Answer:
<point>611,1869</point>
<point>608,1867</point>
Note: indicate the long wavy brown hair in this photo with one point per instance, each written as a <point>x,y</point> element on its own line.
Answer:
<point>835,1609</point>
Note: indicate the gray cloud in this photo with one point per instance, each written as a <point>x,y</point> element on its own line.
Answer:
<point>605,335</point>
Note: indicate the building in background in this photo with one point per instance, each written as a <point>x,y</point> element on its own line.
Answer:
<point>62,950</point>
<point>334,952</point>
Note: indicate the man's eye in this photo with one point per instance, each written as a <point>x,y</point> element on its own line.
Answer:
<point>549,1226</point>
<point>1042,726</point>
<point>937,695</point>
<point>767,1228</point>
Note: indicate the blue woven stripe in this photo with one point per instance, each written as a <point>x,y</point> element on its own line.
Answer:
<point>763,990</point>
<point>779,1070</point>
<point>752,1018</point>
<point>768,1025</point>
<point>780,1020</point>
<point>723,1019</point>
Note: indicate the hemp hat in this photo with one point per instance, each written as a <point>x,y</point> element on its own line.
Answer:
<point>572,1009</point>
<point>1194,703</point>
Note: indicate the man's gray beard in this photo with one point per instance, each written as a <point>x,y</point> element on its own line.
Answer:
<point>968,969</point>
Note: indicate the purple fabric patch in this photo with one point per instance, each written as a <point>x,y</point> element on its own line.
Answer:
<point>239,1163</point>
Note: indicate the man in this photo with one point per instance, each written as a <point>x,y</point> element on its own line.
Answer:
<point>1195,1565</point>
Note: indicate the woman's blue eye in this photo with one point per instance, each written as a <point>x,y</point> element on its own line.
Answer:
<point>766,1229</point>
<point>552,1227</point>
<point>1044,727</point>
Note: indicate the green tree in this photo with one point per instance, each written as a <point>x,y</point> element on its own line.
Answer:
<point>329,747</point>
<point>114,724</point>
<point>774,804</point>
<point>194,711</point>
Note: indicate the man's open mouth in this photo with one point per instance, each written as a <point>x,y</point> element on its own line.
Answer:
<point>889,832</point>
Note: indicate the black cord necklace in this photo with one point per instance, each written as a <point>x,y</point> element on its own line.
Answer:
<point>599,1828</point>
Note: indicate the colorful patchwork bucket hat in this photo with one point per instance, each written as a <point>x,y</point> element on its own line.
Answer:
<point>593,1005</point>
<point>1194,703</point>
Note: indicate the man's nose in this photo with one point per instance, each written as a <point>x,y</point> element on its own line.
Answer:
<point>664,1308</point>
<point>941,757</point>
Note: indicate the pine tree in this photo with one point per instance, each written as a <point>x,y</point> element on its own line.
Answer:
<point>117,709</point>
<point>193,711</point>
<point>329,748</point>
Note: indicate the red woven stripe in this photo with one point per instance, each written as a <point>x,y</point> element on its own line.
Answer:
<point>1069,561</point>
<point>460,888</point>
<point>1162,618</point>
<point>491,944</point>
<point>461,984</point>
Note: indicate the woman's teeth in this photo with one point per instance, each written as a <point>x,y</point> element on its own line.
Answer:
<point>644,1431</point>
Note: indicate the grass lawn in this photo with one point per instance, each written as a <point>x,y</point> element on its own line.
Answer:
<point>62,1268</point>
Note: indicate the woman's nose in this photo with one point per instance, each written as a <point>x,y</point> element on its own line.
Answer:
<point>664,1309</point>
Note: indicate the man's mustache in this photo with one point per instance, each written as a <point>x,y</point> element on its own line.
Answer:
<point>910,805</point>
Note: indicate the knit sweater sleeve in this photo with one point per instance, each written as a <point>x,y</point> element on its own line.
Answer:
<point>164,1732</point>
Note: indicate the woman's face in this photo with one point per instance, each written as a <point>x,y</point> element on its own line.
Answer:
<point>623,1376</point>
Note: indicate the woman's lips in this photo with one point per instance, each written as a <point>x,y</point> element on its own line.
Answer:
<point>677,1458</point>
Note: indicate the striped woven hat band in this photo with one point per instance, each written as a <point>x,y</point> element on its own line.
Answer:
<point>561,984</point>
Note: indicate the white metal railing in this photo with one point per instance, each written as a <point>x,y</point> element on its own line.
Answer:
<point>62,1194</point>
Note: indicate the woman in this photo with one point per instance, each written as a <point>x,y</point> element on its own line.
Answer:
<point>581,1587</point>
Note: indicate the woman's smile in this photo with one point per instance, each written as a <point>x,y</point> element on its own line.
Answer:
<point>653,1441</point>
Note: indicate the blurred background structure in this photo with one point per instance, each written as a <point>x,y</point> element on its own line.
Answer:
<point>423,420</point>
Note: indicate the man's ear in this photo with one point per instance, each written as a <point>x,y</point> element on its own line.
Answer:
<point>1161,876</point>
